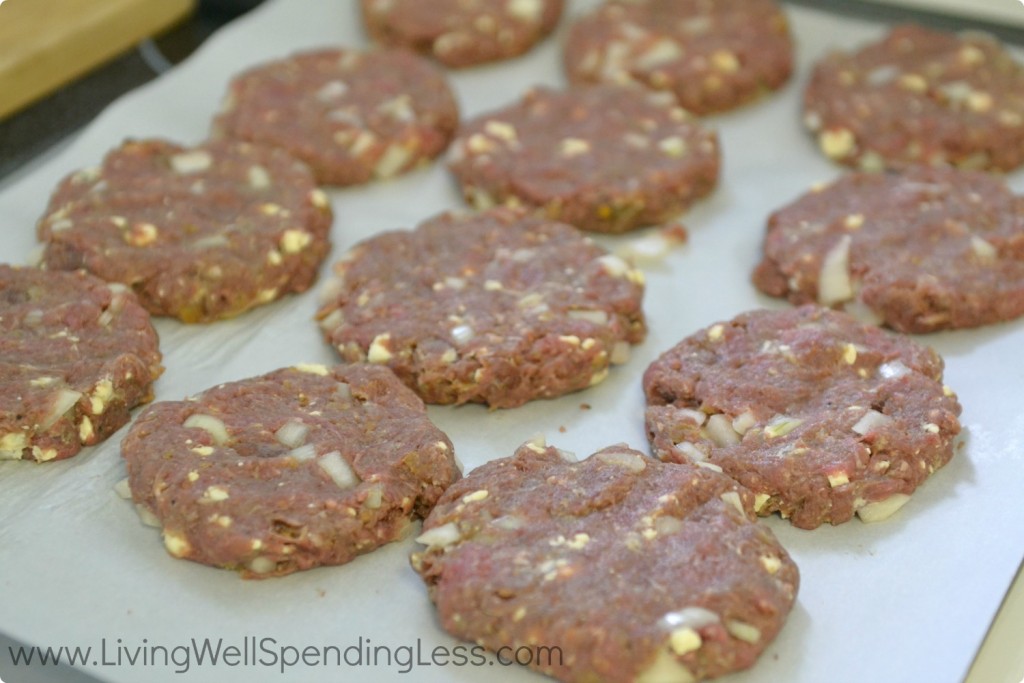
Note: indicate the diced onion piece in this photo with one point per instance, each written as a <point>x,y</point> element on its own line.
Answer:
<point>259,178</point>
<point>665,669</point>
<point>894,369</point>
<point>613,265</point>
<point>191,162</point>
<point>374,497</point>
<point>696,416</point>
<point>661,51</point>
<point>509,522</point>
<point>690,617</point>
<point>744,422</point>
<point>394,159</point>
<point>651,248</point>
<point>398,108</point>
<point>64,401</point>
<point>667,525</point>
<point>591,316</point>
<point>567,456</point>
<point>983,249</point>
<point>870,421</point>
<point>340,472</point>
<point>733,498</point>
<point>331,290</point>
<point>292,433</point>
<point>719,429</point>
<point>405,529</point>
<point>262,565</point>
<point>781,425</point>
<point>621,353</point>
<point>210,241</point>
<point>210,424</point>
<point>302,453</point>
<point>862,312</point>
<point>834,284</point>
<point>331,90</point>
<point>147,517</point>
<point>462,334</point>
<point>122,489</point>
<point>693,453</point>
<point>882,74</point>
<point>741,630</point>
<point>343,391</point>
<point>440,537</point>
<point>630,461</point>
<point>685,640</point>
<point>882,509</point>
<point>537,443</point>
<point>957,91</point>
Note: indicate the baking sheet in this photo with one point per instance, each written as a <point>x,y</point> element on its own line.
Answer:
<point>909,599</point>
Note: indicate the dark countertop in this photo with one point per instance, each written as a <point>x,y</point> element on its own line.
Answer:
<point>27,134</point>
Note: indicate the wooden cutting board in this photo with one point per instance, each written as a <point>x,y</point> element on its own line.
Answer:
<point>47,43</point>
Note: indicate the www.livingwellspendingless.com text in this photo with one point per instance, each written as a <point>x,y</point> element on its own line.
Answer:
<point>271,653</point>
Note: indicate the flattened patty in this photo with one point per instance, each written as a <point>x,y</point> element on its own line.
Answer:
<point>712,56</point>
<point>605,158</point>
<point>199,233</point>
<point>924,250</point>
<point>817,414</point>
<point>301,467</point>
<point>621,567</point>
<point>460,34</point>
<point>919,96</point>
<point>352,116</point>
<point>76,354</point>
<point>497,308</point>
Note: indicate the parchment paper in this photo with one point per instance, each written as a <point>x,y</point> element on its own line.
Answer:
<point>905,600</point>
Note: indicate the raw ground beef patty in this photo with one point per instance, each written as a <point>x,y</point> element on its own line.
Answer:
<point>624,568</point>
<point>459,33</point>
<point>200,233</point>
<point>498,308</point>
<point>817,414</point>
<point>76,354</point>
<point>919,96</point>
<point>924,250</point>
<point>301,467</point>
<point>352,116</point>
<point>713,55</point>
<point>606,158</point>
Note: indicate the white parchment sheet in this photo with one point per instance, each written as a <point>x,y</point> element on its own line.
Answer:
<point>906,600</point>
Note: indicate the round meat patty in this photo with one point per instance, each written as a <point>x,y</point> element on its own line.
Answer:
<point>817,414</point>
<point>497,308</point>
<point>620,567</point>
<point>301,467</point>
<point>459,33</point>
<point>352,116</point>
<point>76,354</point>
<point>712,55</point>
<point>919,96</point>
<point>925,250</point>
<point>201,233</point>
<point>603,158</point>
